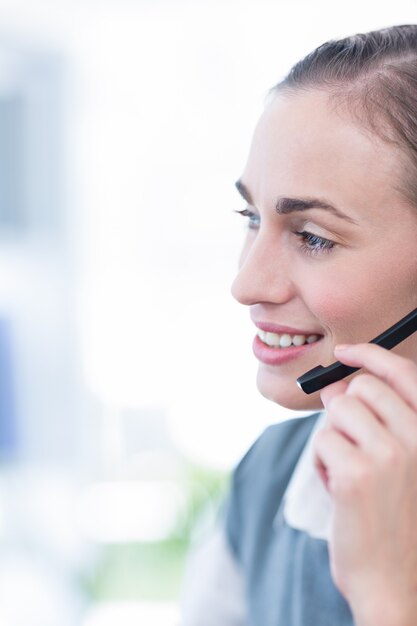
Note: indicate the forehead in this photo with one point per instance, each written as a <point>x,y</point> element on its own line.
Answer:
<point>303,145</point>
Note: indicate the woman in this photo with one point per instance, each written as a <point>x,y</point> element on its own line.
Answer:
<point>329,262</point>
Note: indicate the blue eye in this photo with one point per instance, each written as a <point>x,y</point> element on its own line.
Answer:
<point>313,243</point>
<point>310,243</point>
<point>254,220</point>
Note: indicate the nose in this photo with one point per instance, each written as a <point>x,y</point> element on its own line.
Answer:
<point>264,273</point>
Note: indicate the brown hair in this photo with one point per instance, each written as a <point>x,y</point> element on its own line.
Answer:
<point>374,75</point>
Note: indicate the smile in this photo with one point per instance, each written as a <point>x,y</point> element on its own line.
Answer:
<point>285,340</point>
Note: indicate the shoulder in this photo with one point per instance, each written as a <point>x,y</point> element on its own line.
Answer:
<point>261,477</point>
<point>275,447</point>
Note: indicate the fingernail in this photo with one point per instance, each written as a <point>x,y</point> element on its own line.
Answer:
<point>342,346</point>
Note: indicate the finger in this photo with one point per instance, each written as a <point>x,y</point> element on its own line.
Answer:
<point>333,390</point>
<point>353,419</point>
<point>385,403</point>
<point>398,372</point>
<point>336,456</point>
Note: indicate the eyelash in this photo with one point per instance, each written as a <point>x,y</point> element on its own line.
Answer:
<point>253,219</point>
<point>311,244</point>
<point>320,244</point>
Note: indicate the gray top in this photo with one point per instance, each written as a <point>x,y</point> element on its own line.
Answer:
<point>286,572</point>
<point>256,570</point>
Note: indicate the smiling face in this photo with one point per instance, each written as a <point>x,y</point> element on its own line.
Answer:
<point>331,248</point>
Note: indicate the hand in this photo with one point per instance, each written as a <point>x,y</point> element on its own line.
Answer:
<point>367,457</point>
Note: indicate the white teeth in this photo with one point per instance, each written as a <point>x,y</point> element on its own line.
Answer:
<point>274,340</point>
<point>299,340</point>
<point>285,341</point>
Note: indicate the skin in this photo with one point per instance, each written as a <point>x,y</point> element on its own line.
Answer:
<point>367,453</point>
<point>352,292</point>
<point>367,456</point>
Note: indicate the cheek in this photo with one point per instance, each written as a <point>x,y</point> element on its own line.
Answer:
<point>340,308</point>
<point>352,303</point>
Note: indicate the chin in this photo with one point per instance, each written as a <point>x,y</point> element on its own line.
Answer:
<point>286,393</point>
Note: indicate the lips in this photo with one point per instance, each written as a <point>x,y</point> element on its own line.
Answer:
<point>280,329</point>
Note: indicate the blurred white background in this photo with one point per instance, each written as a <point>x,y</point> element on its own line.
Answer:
<point>127,387</point>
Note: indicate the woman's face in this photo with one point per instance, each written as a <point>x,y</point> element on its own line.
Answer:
<point>331,248</point>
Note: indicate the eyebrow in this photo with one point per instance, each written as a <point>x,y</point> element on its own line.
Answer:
<point>284,205</point>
